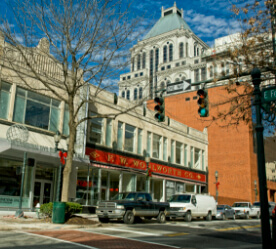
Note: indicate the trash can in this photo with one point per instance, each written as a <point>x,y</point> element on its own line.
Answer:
<point>58,215</point>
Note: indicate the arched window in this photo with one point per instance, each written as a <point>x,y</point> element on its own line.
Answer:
<point>168,82</point>
<point>181,50</point>
<point>123,94</point>
<point>156,59</point>
<point>183,78</point>
<point>195,50</point>
<point>187,49</point>
<point>170,52</point>
<point>135,93</point>
<point>128,94</point>
<point>140,93</point>
<point>144,60</point>
<point>211,72</point>
<point>165,54</point>
<point>151,62</point>
<point>132,63</point>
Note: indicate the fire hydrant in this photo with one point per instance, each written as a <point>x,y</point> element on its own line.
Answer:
<point>37,209</point>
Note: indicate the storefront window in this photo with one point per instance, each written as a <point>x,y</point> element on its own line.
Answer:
<point>165,144</point>
<point>108,132</point>
<point>130,138</point>
<point>36,110</point>
<point>140,140</point>
<point>190,188</point>
<point>96,130</point>
<point>4,99</point>
<point>179,153</point>
<point>141,183</point>
<point>156,146</point>
<point>170,189</point>
<point>120,136</point>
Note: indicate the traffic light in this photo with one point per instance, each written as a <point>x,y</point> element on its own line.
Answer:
<point>203,103</point>
<point>159,108</point>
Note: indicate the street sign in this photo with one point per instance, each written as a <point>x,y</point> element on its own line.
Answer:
<point>269,94</point>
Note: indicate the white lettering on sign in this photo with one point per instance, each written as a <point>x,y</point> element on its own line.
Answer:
<point>269,95</point>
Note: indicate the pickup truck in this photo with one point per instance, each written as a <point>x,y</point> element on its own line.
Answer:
<point>129,205</point>
<point>246,210</point>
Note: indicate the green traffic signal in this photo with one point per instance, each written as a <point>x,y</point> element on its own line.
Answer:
<point>159,108</point>
<point>203,103</point>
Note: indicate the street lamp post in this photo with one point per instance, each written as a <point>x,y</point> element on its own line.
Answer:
<point>57,138</point>
<point>147,159</point>
<point>216,176</point>
<point>266,234</point>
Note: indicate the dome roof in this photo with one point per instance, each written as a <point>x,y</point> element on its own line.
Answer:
<point>166,24</point>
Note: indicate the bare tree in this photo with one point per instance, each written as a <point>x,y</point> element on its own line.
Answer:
<point>87,40</point>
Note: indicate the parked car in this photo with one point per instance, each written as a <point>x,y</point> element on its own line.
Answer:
<point>271,206</point>
<point>246,210</point>
<point>190,205</point>
<point>224,212</point>
<point>131,205</point>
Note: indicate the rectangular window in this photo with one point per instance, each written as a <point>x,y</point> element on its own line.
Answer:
<point>108,134</point>
<point>197,158</point>
<point>36,110</point>
<point>202,161</point>
<point>165,145</point>
<point>5,100</point>
<point>186,155</point>
<point>196,75</point>
<point>156,146</point>
<point>140,141</point>
<point>179,153</point>
<point>172,151</point>
<point>203,73</point>
<point>149,144</point>
<point>120,136</point>
<point>192,157</point>
<point>96,130</point>
<point>177,64</point>
<point>130,138</point>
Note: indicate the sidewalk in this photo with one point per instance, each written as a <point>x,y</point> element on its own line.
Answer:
<point>8,222</point>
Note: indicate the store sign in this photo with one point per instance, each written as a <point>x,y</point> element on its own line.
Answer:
<point>13,201</point>
<point>111,158</point>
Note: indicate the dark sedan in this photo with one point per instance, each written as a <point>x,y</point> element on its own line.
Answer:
<point>224,212</point>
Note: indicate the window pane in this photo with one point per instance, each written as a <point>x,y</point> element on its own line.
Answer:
<point>4,100</point>
<point>108,132</point>
<point>129,138</point>
<point>54,119</point>
<point>19,106</point>
<point>140,133</point>
<point>66,121</point>
<point>165,144</point>
<point>202,163</point>
<point>192,157</point>
<point>120,136</point>
<point>96,126</point>
<point>178,153</point>
<point>186,155</point>
<point>197,158</point>
<point>156,146</point>
<point>172,151</point>
<point>149,144</point>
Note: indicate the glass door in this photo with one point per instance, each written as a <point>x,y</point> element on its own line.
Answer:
<point>42,192</point>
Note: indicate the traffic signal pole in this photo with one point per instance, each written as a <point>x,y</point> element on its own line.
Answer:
<point>266,234</point>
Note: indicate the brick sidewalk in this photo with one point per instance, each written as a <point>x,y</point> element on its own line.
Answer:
<point>100,241</point>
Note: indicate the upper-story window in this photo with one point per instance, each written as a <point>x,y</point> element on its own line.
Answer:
<point>156,59</point>
<point>211,72</point>
<point>196,75</point>
<point>227,68</point>
<point>140,93</point>
<point>135,93</point>
<point>181,50</point>
<point>179,153</point>
<point>156,146</point>
<point>108,134</point>
<point>162,85</point>
<point>130,138</point>
<point>165,54</point>
<point>65,128</point>
<point>5,94</point>
<point>222,68</point>
<point>138,62</point>
<point>170,52</point>
<point>151,62</point>
<point>144,60</point>
<point>140,142</point>
<point>132,63</point>
<point>123,94</point>
<point>187,49</point>
<point>96,130</point>
<point>197,158</point>
<point>37,110</point>
<point>195,50</point>
<point>203,73</point>
<point>128,94</point>
<point>120,131</point>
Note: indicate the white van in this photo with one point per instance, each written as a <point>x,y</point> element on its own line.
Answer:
<point>191,205</point>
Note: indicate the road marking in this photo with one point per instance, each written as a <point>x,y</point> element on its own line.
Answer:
<point>130,231</point>
<point>175,234</point>
<point>236,228</point>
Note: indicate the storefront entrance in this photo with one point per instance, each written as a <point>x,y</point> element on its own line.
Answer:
<point>42,192</point>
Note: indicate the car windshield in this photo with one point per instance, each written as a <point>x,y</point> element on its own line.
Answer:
<point>119,196</point>
<point>220,207</point>
<point>256,204</point>
<point>237,204</point>
<point>180,198</point>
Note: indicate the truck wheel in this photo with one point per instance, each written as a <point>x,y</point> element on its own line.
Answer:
<point>188,217</point>
<point>161,218</point>
<point>103,220</point>
<point>209,216</point>
<point>129,217</point>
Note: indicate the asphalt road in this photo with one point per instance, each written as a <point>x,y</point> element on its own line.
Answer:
<point>238,234</point>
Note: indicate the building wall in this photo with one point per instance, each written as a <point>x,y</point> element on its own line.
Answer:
<point>230,149</point>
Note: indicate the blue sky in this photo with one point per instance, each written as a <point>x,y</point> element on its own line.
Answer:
<point>209,19</point>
